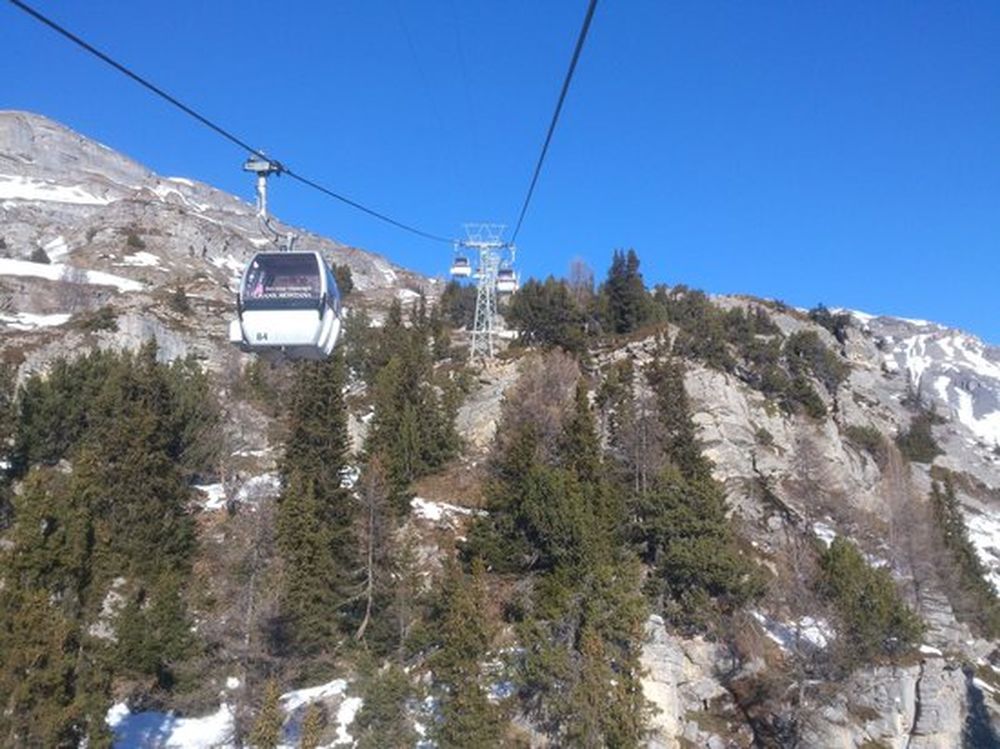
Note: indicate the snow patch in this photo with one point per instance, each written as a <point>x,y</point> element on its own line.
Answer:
<point>258,487</point>
<point>140,259</point>
<point>156,730</point>
<point>215,495</point>
<point>57,248</point>
<point>28,321</point>
<point>807,631</point>
<point>58,272</point>
<point>229,263</point>
<point>930,650</point>
<point>387,272</point>
<point>824,532</point>
<point>984,533</point>
<point>983,686</point>
<point>14,187</point>
<point>437,511</point>
<point>345,716</point>
<point>295,699</point>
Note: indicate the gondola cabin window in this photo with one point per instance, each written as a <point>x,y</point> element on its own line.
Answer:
<point>290,277</point>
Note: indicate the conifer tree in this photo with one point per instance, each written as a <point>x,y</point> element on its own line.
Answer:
<point>465,634</point>
<point>562,521</point>
<point>312,728</point>
<point>682,523</point>
<point>266,731</point>
<point>383,722</point>
<point>874,619</point>
<point>129,426</point>
<point>627,305</point>
<point>316,517</point>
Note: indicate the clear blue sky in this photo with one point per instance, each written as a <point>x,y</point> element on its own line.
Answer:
<point>843,152</point>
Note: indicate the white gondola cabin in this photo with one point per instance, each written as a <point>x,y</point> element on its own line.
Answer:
<point>506,281</point>
<point>460,267</point>
<point>288,306</point>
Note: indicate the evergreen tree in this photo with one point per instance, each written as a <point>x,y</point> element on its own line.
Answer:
<point>680,444</point>
<point>545,314</point>
<point>458,305</point>
<point>266,731</point>
<point>681,522</point>
<point>467,716</point>
<point>130,427</point>
<point>627,304</point>
<point>874,619</point>
<point>382,722</point>
<point>413,428</point>
<point>974,597</point>
<point>312,728</point>
<point>561,521</point>
<point>316,517</point>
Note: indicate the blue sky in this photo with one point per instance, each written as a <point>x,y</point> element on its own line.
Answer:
<point>845,152</point>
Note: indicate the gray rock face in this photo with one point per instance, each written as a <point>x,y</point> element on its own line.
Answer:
<point>680,680</point>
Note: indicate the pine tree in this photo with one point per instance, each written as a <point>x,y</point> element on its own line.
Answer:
<point>266,731</point>
<point>874,618</point>
<point>467,716</point>
<point>316,517</point>
<point>312,728</point>
<point>627,303</point>
<point>681,521</point>
<point>383,722</point>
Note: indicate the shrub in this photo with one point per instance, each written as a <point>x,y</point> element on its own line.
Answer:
<point>870,440</point>
<point>874,619</point>
<point>917,443</point>
<point>104,318</point>
<point>343,277</point>
<point>133,241</point>
<point>179,301</point>
<point>835,323</point>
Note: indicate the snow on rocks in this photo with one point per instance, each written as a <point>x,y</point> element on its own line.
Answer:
<point>140,259</point>
<point>29,321</point>
<point>438,512</point>
<point>258,487</point>
<point>807,632</point>
<point>13,187</point>
<point>157,730</point>
<point>984,533</point>
<point>215,495</point>
<point>57,248</point>
<point>59,272</point>
<point>824,532</point>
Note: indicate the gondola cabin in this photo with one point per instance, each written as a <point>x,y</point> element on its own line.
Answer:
<point>288,306</point>
<point>506,281</point>
<point>461,268</point>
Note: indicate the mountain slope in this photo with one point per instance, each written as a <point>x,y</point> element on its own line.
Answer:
<point>121,241</point>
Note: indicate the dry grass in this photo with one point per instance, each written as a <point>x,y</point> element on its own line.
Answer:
<point>460,483</point>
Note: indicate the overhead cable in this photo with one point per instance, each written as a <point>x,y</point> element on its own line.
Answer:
<point>581,38</point>
<point>228,135</point>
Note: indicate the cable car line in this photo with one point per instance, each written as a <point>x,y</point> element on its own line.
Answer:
<point>364,209</point>
<point>581,38</point>
<point>218,129</point>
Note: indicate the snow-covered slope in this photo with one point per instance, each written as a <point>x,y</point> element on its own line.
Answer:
<point>955,371</point>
